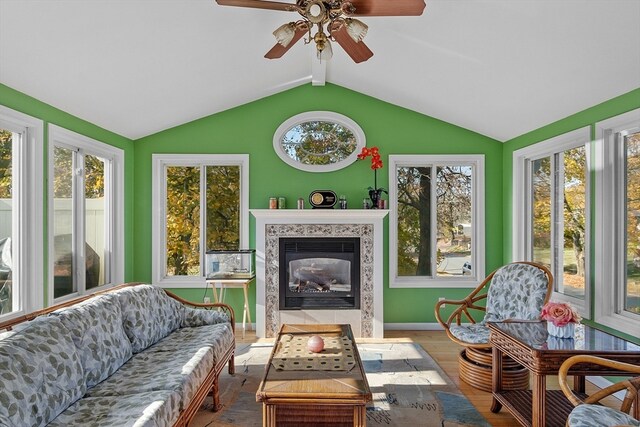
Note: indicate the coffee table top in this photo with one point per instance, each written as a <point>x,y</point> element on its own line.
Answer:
<point>313,385</point>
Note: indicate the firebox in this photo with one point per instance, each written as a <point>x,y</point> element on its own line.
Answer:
<point>319,273</point>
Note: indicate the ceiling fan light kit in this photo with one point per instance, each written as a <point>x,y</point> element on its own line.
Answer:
<point>334,16</point>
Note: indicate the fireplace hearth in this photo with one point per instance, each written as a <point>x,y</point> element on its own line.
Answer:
<point>319,273</point>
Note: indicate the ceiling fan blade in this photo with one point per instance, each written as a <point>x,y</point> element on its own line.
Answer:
<point>260,4</point>
<point>278,50</point>
<point>358,51</point>
<point>388,7</point>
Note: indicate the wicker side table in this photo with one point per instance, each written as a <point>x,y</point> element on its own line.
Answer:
<point>529,344</point>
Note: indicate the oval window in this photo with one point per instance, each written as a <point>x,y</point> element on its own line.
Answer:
<point>319,141</point>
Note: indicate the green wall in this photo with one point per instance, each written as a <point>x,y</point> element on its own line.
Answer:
<point>249,129</point>
<point>588,117</point>
<point>25,104</point>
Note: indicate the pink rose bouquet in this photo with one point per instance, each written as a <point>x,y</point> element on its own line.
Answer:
<point>559,313</point>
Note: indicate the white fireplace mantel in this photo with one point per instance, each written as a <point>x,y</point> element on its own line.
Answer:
<point>330,217</point>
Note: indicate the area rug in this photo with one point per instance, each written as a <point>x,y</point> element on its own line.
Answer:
<point>408,387</point>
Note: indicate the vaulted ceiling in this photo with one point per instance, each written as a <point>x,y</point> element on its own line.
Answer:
<point>497,67</point>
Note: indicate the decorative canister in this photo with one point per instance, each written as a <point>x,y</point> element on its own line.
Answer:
<point>343,202</point>
<point>273,203</point>
<point>566,331</point>
<point>282,203</point>
<point>300,203</point>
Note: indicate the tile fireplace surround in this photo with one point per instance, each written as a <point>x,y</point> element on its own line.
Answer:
<point>272,224</point>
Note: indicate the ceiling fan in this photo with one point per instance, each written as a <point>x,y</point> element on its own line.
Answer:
<point>334,22</point>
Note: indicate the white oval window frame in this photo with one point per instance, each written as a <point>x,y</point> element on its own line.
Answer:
<point>325,116</point>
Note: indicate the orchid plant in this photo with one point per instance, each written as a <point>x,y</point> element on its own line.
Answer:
<point>376,163</point>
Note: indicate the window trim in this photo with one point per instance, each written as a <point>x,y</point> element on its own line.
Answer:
<point>29,254</point>
<point>59,136</point>
<point>522,203</point>
<point>159,165</point>
<point>478,215</point>
<point>607,232</point>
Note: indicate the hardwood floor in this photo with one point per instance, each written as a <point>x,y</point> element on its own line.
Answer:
<point>445,352</point>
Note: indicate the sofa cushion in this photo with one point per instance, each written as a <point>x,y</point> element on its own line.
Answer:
<point>182,371</point>
<point>41,372</point>
<point>97,331</point>
<point>219,338</point>
<point>151,409</point>
<point>149,315</point>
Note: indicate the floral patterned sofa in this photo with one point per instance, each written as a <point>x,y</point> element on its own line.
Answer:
<point>134,355</point>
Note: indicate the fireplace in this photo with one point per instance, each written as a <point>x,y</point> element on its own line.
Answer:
<point>321,273</point>
<point>272,225</point>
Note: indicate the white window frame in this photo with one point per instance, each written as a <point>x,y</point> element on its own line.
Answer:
<point>114,203</point>
<point>521,225</point>
<point>27,248</point>
<point>477,212</point>
<point>609,277</point>
<point>159,240</point>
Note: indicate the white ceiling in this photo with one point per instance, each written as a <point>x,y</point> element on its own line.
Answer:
<point>497,67</point>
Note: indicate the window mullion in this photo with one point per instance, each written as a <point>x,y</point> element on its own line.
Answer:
<point>18,232</point>
<point>558,221</point>
<point>203,217</point>
<point>620,207</point>
<point>77,217</point>
<point>433,223</point>
<point>109,215</point>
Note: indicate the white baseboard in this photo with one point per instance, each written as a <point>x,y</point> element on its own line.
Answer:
<point>412,327</point>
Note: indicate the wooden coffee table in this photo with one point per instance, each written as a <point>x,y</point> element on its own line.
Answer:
<point>309,396</point>
<point>529,344</point>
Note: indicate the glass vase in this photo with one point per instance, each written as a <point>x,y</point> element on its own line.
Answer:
<point>566,331</point>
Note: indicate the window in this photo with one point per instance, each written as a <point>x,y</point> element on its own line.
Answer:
<point>318,141</point>
<point>20,213</point>
<point>86,234</point>
<point>618,222</point>
<point>436,221</point>
<point>551,222</point>
<point>196,199</point>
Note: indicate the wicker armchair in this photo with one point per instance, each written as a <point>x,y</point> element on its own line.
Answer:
<point>588,413</point>
<point>518,291</point>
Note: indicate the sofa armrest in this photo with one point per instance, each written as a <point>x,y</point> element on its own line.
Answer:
<point>197,314</point>
<point>194,317</point>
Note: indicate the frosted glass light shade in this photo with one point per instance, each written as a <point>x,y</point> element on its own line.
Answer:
<point>356,29</point>
<point>326,53</point>
<point>284,34</point>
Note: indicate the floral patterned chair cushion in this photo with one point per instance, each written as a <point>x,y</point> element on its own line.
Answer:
<point>150,409</point>
<point>476,333</point>
<point>41,373</point>
<point>97,331</point>
<point>517,291</point>
<point>149,315</point>
<point>586,415</point>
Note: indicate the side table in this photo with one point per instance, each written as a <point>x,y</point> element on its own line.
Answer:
<point>224,284</point>
<point>528,343</point>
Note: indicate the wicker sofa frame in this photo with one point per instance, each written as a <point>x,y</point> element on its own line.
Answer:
<point>210,384</point>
